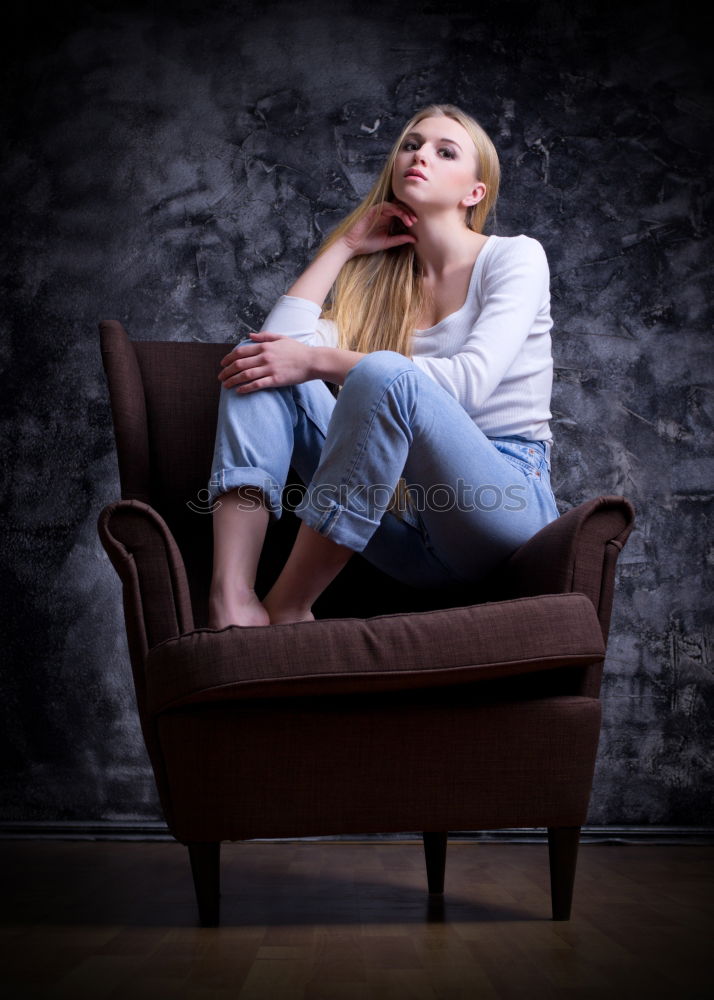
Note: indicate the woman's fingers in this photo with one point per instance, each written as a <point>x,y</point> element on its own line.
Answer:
<point>254,385</point>
<point>230,362</point>
<point>395,208</point>
<point>406,214</point>
<point>399,240</point>
<point>230,357</point>
<point>249,347</point>
<point>266,335</point>
<point>371,232</point>
<point>239,367</point>
<point>242,375</point>
<point>276,361</point>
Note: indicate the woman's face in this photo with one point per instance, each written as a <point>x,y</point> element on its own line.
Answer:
<point>436,165</point>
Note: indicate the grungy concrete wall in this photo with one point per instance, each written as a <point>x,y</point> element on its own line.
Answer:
<point>174,166</point>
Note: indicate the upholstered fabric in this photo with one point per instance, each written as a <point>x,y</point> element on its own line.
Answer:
<point>572,553</point>
<point>128,410</point>
<point>144,553</point>
<point>437,759</point>
<point>394,652</point>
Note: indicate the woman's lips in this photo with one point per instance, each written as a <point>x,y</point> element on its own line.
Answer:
<point>414,175</point>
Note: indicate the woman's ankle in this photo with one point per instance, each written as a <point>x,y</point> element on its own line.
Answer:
<point>282,612</point>
<point>229,587</point>
<point>235,605</point>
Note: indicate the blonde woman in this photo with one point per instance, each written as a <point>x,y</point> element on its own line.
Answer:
<point>434,459</point>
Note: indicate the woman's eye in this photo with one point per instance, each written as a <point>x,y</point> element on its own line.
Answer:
<point>449,152</point>
<point>410,145</point>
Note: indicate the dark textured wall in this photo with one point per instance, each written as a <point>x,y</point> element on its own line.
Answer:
<point>174,166</point>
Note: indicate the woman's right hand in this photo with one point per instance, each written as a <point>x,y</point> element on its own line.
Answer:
<point>371,233</point>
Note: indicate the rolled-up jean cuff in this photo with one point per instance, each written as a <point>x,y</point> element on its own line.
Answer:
<point>225,480</point>
<point>339,523</point>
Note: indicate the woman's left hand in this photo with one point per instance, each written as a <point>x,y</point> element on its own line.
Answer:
<point>271,360</point>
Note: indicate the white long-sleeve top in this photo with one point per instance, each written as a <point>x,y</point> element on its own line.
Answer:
<point>493,354</point>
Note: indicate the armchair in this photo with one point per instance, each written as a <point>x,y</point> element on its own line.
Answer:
<point>396,710</point>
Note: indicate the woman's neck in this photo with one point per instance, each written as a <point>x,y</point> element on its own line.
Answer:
<point>442,247</point>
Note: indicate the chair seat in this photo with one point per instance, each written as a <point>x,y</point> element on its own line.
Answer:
<point>385,653</point>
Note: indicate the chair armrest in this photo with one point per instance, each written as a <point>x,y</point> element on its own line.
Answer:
<point>157,602</point>
<point>156,599</point>
<point>456,646</point>
<point>576,552</point>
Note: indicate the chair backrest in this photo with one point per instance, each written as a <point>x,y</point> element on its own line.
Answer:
<point>164,397</point>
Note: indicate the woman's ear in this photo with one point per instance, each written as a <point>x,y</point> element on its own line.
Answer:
<point>478,193</point>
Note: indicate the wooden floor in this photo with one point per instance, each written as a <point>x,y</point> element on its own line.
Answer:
<point>326,921</point>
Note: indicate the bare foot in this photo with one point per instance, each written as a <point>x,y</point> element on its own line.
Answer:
<point>283,615</point>
<point>236,609</point>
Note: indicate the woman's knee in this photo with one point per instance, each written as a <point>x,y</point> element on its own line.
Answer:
<point>378,366</point>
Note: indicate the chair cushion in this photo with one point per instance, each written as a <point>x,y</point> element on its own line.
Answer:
<point>385,653</point>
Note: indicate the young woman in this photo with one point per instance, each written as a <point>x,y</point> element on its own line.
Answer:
<point>434,459</point>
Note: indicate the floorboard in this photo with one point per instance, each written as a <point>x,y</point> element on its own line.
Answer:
<point>333,920</point>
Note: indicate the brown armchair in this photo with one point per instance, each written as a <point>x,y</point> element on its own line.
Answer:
<point>396,710</point>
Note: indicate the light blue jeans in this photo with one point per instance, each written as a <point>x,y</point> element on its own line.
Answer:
<point>471,500</point>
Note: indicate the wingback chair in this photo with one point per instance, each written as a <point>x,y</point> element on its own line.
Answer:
<point>397,710</point>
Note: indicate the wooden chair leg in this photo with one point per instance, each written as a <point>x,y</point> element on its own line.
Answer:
<point>435,855</point>
<point>563,854</point>
<point>205,866</point>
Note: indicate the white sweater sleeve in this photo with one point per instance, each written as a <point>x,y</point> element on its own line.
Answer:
<point>515,288</point>
<point>300,318</point>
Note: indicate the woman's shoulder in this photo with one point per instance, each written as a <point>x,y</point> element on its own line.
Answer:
<point>517,246</point>
<point>508,252</point>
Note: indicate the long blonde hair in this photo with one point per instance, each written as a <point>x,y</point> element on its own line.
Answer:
<point>377,297</point>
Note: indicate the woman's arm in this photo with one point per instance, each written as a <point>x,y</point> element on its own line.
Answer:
<point>318,277</point>
<point>333,363</point>
<point>368,235</point>
<point>275,360</point>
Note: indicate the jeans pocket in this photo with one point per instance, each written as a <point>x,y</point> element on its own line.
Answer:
<point>526,456</point>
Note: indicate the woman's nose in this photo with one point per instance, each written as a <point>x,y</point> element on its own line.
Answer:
<point>419,155</point>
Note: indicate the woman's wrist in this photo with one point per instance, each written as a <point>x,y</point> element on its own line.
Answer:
<point>341,249</point>
<point>333,363</point>
<point>345,249</point>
